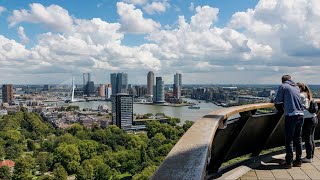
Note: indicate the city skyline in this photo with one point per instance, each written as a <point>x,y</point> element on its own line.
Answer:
<point>209,42</point>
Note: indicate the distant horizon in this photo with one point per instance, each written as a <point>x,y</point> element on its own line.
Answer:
<point>226,85</point>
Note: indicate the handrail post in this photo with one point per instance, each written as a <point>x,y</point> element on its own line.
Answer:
<point>216,161</point>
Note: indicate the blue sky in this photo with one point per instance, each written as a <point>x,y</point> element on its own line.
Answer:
<point>228,41</point>
<point>106,10</point>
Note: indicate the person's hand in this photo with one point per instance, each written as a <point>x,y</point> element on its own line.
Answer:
<point>279,107</point>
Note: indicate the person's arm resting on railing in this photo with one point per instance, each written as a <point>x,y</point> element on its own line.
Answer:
<point>278,100</point>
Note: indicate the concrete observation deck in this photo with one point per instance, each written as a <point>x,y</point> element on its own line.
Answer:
<point>272,170</point>
<point>229,133</point>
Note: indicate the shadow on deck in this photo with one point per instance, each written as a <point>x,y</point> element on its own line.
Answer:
<point>272,170</point>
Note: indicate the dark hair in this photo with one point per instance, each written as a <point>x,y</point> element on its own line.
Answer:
<point>306,89</point>
<point>285,78</point>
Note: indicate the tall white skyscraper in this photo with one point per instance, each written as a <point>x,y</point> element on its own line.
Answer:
<point>108,91</point>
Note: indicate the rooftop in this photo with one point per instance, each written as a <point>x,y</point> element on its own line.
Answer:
<point>8,163</point>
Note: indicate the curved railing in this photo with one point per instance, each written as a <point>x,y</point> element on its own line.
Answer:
<point>214,139</point>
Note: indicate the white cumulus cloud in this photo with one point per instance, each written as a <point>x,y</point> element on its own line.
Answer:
<point>22,35</point>
<point>136,2</point>
<point>132,20</point>
<point>88,44</point>
<point>276,37</point>
<point>2,9</point>
<point>156,7</point>
<point>204,17</point>
<point>12,54</point>
<point>291,27</point>
<point>191,7</point>
<point>199,39</point>
<point>53,17</point>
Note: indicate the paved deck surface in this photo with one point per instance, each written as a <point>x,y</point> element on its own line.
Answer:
<point>273,170</point>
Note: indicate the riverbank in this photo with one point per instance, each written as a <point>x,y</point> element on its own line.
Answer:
<point>181,112</point>
<point>167,104</point>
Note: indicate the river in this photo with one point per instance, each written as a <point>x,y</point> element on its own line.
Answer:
<point>184,113</point>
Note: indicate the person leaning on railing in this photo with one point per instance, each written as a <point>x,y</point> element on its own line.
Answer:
<point>289,95</point>
<point>310,122</point>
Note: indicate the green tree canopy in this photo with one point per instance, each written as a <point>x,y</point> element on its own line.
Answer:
<point>103,172</point>
<point>74,128</point>
<point>44,161</point>
<point>174,121</point>
<point>68,155</point>
<point>5,173</point>
<point>25,167</point>
<point>187,125</point>
<point>66,138</point>
<point>157,140</point>
<point>34,123</point>
<point>86,171</point>
<point>97,153</point>
<point>59,173</point>
<point>14,151</point>
<point>145,174</point>
<point>87,149</point>
<point>12,137</point>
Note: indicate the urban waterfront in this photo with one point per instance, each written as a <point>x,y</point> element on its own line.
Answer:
<point>184,113</point>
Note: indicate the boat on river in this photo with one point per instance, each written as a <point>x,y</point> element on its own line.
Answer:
<point>194,107</point>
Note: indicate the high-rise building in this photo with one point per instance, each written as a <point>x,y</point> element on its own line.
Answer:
<point>140,91</point>
<point>154,93</point>
<point>90,88</point>
<point>122,83</point>
<point>7,93</point>
<point>85,78</point>
<point>46,87</point>
<point>102,90</point>
<point>85,81</point>
<point>89,77</point>
<point>199,93</point>
<point>132,91</point>
<point>119,82</point>
<point>113,81</point>
<point>150,83</point>
<point>88,85</point>
<point>122,110</point>
<point>177,85</point>
<point>159,90</point>
<point>108,91</point>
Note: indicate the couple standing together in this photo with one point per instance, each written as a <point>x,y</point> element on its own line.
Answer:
<point>296,101</point>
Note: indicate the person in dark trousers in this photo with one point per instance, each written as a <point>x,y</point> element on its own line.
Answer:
<point>310,122</point>
<point>289,95</point>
